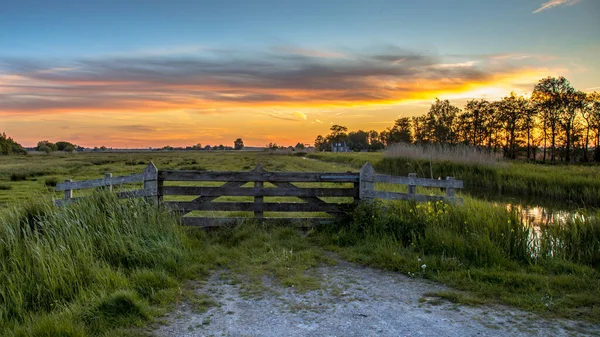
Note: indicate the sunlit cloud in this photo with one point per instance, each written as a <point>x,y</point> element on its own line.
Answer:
<point>210,96</point>
<point>300,115</point>
<point>555,3</point>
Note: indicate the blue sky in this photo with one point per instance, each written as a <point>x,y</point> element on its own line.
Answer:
<point>60,59</point>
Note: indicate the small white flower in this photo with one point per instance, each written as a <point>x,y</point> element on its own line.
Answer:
<point>419,259</point>
<point>424,266</point>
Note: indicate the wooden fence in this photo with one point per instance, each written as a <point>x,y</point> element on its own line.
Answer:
<point>356,185</point>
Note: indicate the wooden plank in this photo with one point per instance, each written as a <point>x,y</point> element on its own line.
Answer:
<point>379,178</point>
<point>310,200</point>
<point>78,185</point>
<point>415,197</point>
<point>263,192</point>
<point>251,207</point>
<point>205,222</point>
<point>171,175</point>
<point>231,184</point>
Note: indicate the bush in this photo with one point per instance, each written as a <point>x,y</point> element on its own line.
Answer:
<point>51,182</point>
<point>18,177</point>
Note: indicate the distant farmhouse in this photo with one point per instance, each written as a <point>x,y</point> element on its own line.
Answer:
<point>339,147</point>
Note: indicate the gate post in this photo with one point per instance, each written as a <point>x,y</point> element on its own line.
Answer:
<point>367,182</point>
<point>151,183</point>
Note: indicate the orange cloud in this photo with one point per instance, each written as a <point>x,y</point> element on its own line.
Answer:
<point>159,99</point>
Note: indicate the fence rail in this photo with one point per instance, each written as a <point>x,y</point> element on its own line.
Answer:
<point>363,188</point>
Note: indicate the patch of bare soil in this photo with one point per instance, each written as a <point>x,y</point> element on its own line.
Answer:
<point>353,301</point>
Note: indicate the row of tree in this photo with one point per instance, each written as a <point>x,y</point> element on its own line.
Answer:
<point>47,146</point>
<point>558,119</point>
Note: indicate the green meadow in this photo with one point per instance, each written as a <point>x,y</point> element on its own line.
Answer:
<point>105,266</point>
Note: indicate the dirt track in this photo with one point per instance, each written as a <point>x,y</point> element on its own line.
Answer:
<point>355,301</point>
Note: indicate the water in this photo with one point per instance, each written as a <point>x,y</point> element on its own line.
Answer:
<point>537,212</point>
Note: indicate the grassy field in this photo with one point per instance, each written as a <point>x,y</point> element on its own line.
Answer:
<point>106,267</point>
<point>574,185</point>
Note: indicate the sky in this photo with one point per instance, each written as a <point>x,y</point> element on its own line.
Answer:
<point>149,73</point>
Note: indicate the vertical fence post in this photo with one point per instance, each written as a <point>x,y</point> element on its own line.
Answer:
<point>258,200</point>
<point>412,184</point>
<point>367,182</point>
<point>450,189</point>
<point>151,182</point>
<point>68,193</point>
<point>107,177</point>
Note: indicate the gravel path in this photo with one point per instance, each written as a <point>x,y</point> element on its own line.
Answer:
<point>355,301</point>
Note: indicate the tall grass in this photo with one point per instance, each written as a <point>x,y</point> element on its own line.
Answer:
<point>481,248</point>
<point>573,185</point>
<point>86,256</point>
<point>443,152</point>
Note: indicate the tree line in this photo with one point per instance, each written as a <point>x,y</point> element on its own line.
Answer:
<point>557,122</point>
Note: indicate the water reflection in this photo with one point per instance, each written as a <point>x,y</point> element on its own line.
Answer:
<point>536,216</point>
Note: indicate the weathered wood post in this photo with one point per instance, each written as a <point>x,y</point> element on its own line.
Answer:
<point>412,184</point>
<point>68,193</point>
<point>151,184</point>
<point>258,200</point>
<point>367,182</point>
<point>450,189</point>
<point>107,181</point>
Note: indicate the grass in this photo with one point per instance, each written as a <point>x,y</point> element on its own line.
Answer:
<point>482,249</point>
<point>443,152</point>
<point>105,266</point>
<point>571,185</point>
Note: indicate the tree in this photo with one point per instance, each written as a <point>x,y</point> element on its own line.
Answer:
<point>512,111</point>
<point>338,133</point>
<point>299,146</point>
<point>573,102</point>
<point>8,146</point>
<point>551,95</point>
<point>477,117</point>
<point>65,146</point>
<point>321,143</point>
<point>440,122</point>
<point>358,140</point>
<point>46,146</point>
<point>400,132</point>
<point>591,114</point>
<point>238,144</point>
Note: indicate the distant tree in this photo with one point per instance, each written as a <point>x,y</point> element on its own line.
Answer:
<point>338,134</point>
<point>8,146</point>
<point>65,146</point>
<point>358,140</point>
<point>440,122</point>
<point>512,111</point>
<point>418,126</point>
<point>238,144</point>
<point>551,96</point>
<point>591,114</point>
<point>207,147</point>
<point>46,146</point>
<point>299,146</point>
<point>400,132</point>
<point>321,144</point>
<point>196,147</point>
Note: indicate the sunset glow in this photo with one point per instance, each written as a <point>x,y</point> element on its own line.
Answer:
<point>178,89</point>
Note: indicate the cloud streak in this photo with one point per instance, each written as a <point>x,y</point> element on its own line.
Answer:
<point>230,79</point>
<point>555,3</point>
